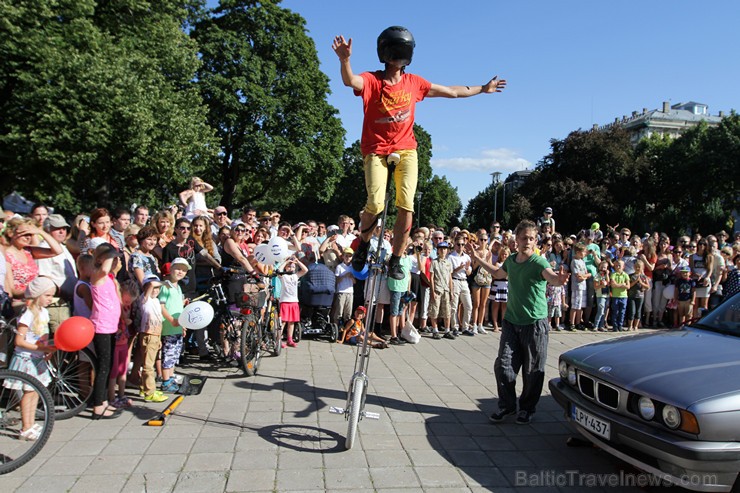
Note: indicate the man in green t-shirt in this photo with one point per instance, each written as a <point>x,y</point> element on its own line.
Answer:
<point>524,336</point>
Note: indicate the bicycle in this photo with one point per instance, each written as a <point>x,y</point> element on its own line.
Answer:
<point>72,375</point>
<point>16,451</point>
<point>354,409</point>
<point>231,323</point>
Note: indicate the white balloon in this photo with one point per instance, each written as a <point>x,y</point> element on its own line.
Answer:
<point>669,291</point>
<point>279,249</point>
<point>263,254</point>
<point>196,315</point>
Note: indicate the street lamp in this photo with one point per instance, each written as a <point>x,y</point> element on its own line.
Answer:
<point>496,175</point>
<point>418,210</point>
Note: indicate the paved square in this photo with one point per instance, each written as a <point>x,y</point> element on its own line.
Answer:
<point>274,432</point>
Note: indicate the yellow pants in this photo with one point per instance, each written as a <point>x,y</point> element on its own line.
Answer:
<point>405,177</point>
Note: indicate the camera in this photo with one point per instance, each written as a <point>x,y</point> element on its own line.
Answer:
<point>418,248</point>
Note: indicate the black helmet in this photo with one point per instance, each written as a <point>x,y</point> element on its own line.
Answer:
<point>396,44</point>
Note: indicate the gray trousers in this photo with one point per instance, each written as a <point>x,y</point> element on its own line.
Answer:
<point>522,347</point>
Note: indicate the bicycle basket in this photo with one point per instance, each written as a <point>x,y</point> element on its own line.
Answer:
<point>252,297</point>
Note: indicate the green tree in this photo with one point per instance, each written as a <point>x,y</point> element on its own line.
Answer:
<point>97,103</point>
<point>266,98</point>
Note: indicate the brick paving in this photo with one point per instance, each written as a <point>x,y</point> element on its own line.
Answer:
<point>274,432</point>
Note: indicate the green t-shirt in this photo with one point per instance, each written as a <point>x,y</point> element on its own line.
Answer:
<point>592,259</point>
<point>620,277</point>
<point>171,297</point>
<point>527,302</point>
<point>403,285</point>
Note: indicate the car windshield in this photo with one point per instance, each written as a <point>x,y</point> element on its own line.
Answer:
<point>725,318</point>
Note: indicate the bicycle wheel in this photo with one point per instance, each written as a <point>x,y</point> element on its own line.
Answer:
<point>72,376</point>
<point>333,333</point>
<point>354,412</point>
<point>15,450</point>
<point>276,326</point>
<point>297,331</point>
<point>251,346</point>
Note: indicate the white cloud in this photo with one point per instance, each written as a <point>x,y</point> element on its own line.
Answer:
<point>490,160</point>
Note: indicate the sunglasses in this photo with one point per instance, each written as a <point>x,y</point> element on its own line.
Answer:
<point>240,230</point>
<point>497,227</point>
<point>220,213</point>
<point>483,239</point>
<point>460,244</point>
<point>184,228</point>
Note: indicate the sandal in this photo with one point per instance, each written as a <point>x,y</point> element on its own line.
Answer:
<point>31,434</point>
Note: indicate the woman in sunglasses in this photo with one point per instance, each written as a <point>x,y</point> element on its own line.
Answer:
<point>20,256</point>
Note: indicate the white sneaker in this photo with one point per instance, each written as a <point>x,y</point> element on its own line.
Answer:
<point>481,330</point>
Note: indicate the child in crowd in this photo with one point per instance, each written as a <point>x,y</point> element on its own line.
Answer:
<point>150,338</point>
<point>173,302</point>
<point>601,287</point>
<point>354,331</point>
<point>440,280</point>
<point>578,299</point>
<point>82,297</point>
<point>122,352</point>
<point>685,295</point>
<point>105,316</point>
<point>556,301</point>
<point>499,291</point>
<point>142,262</point>
<point>345,287</point>
<point>31,348</point>
<point>636,295</point>
<point>620,283</point>
<point>289,310</point>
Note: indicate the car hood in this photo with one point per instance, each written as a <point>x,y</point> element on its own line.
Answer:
<point>679,367</point>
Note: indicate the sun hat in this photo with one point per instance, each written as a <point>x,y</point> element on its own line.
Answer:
<point>39,286</point>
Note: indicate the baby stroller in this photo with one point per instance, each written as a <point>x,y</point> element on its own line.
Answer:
<point>316,295</point>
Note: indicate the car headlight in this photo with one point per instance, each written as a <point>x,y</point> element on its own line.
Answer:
<point>563,368</point>
<point>671,417</point>
<point>571,375</point>
<point>646,408</point>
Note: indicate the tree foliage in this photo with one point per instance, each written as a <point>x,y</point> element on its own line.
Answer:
<point>266,98</point>
<point>97,102</point>
<point>672,185</point>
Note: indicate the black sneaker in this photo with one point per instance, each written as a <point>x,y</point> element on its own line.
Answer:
<point>450,336</point>
<point>436,336</point>
<point>395,341</point>
<point>359,258</point>
<point>524,417</point>
<point>394,268</point>
<point>468,332</point>
<point>499,415</point>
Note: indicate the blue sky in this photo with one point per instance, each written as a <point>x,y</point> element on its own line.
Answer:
<point>568,64</point>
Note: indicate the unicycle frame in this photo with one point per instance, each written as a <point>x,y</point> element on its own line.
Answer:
<point>376,265</point>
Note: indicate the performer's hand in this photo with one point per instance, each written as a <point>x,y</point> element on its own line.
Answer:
<point>342,48</point>
<point>494,85</point>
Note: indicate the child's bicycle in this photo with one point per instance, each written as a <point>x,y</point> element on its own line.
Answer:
<point>354,409</point>
<point>72,374</point>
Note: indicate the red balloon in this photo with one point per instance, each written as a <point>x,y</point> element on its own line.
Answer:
<point>74,334</point>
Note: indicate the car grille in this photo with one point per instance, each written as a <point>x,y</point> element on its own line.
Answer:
<point>596,390</point>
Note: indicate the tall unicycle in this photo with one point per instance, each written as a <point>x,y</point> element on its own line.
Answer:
<point>354,409</point>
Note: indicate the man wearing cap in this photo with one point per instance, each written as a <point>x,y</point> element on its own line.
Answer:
<point>345,288</point>
<point>547,219</point>
<point>61,269</point>
<point>265,221</point>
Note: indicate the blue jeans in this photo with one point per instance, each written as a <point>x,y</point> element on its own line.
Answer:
<point>619,306</point>
<point>600,320</point>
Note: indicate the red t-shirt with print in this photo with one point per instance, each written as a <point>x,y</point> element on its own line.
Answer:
<point>389,110</point>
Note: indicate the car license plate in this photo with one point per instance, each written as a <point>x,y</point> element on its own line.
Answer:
<point>592,423</point>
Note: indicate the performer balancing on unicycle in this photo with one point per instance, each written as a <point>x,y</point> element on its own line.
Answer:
<point>389,99</point>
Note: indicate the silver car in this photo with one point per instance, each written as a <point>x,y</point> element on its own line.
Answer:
<point>667,402</point>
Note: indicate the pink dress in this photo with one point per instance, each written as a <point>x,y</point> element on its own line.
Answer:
<point>23,273</point>
<point>106,307</point>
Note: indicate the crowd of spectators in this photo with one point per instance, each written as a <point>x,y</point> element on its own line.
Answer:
<point>619,280</point>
